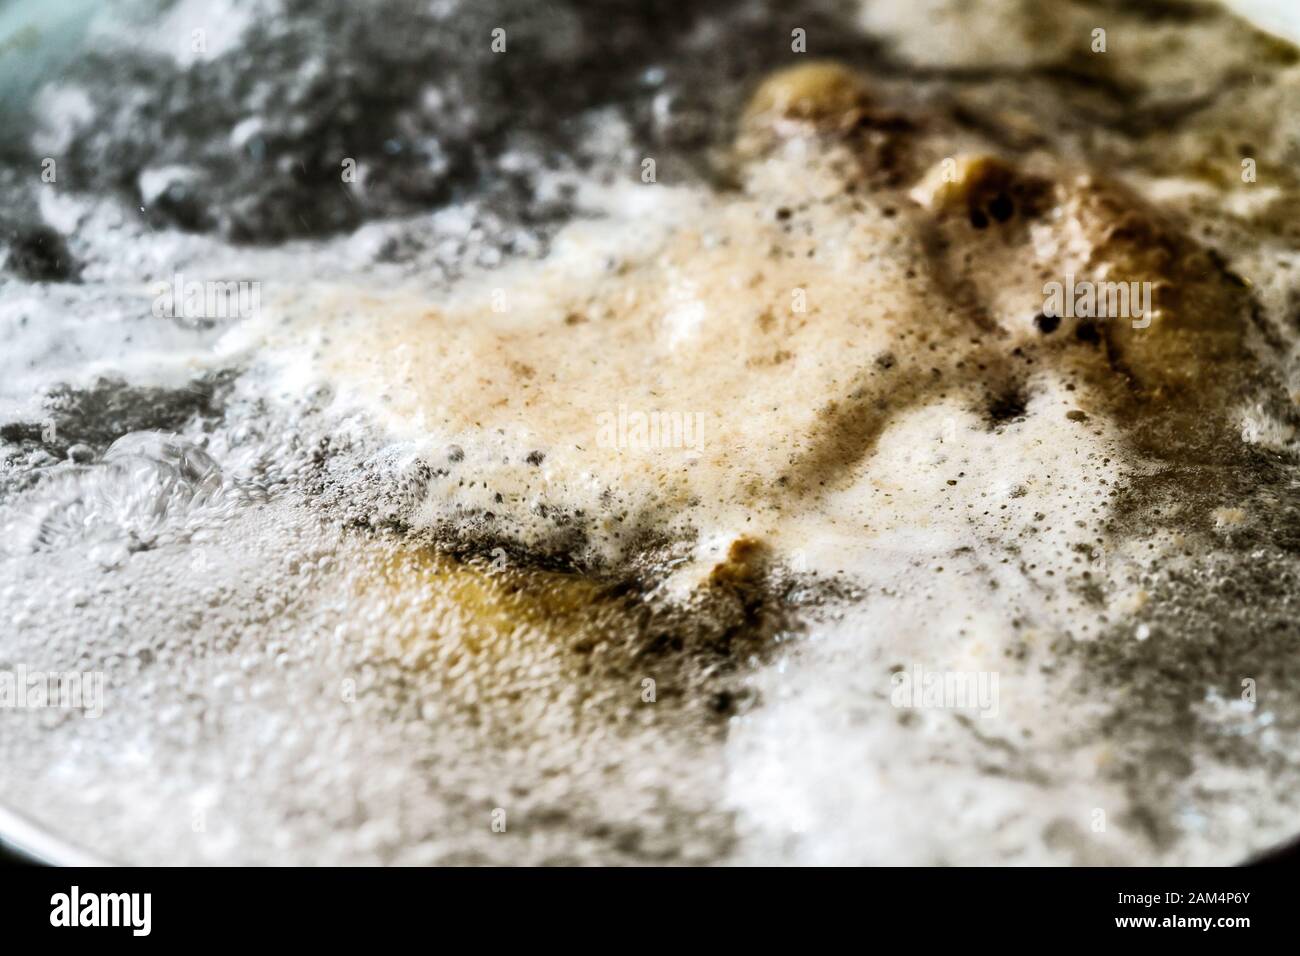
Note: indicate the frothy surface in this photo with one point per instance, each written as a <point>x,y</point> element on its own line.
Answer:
<point>900,471</point>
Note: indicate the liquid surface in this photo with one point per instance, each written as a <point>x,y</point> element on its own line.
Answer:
<point>581,518</point>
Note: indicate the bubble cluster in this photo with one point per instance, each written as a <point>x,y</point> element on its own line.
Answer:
<point>348,610</point>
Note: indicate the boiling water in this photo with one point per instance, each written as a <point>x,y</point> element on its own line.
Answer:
<point>266,531</point>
